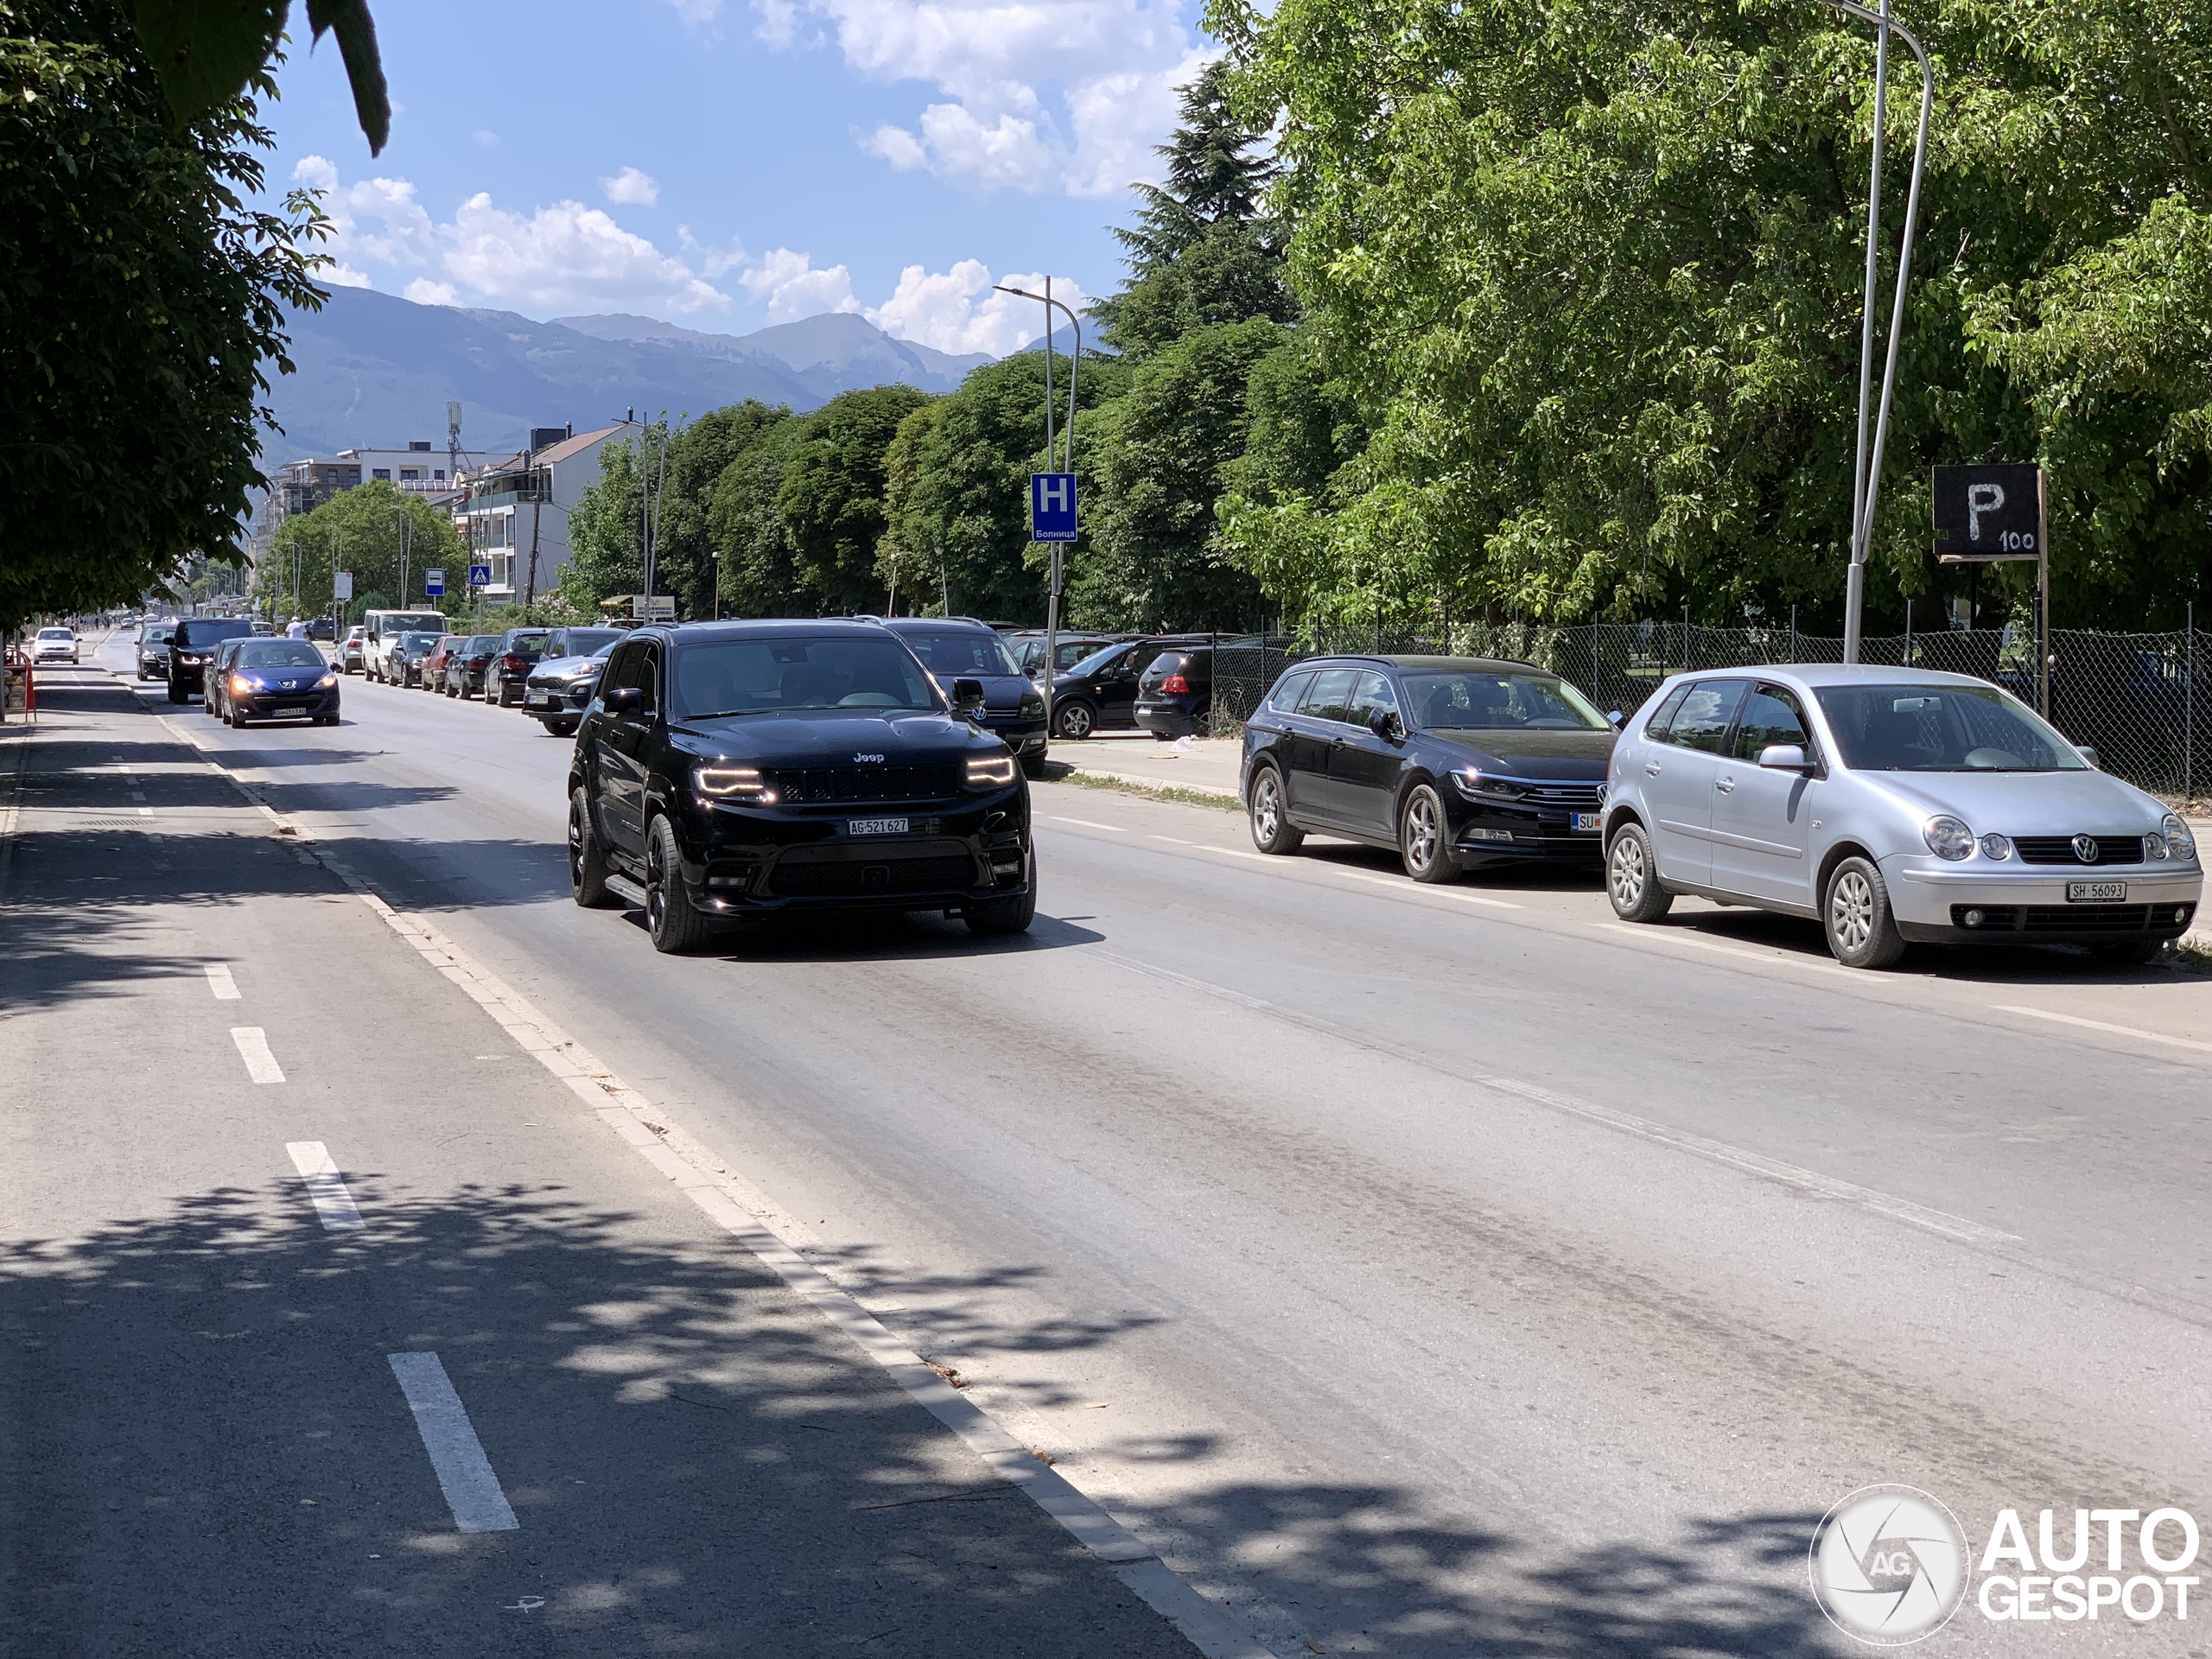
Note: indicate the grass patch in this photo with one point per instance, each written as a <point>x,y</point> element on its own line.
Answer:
<point>1153,791</point>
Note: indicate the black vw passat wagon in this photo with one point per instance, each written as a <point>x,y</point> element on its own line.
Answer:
<point>736,768</point>
<point>1456,762</point>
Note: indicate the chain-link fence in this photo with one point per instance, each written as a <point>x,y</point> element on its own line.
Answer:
<point>2142,701</point>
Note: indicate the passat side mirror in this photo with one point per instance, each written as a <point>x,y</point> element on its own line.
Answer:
<point>1615,719</point>
<point>1784,757</point>
<point>625,700</point>
<point>967,696</point>
<point>1383,723</point>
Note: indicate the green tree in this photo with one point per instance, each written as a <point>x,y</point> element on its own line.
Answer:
<point>357,531</point>
<point>745,519</point>
<point>209,53</point>
<point>1202,251</point>
<point>1157,464</point>
<point>698,456</point>
<point>1591,276</point>
<point>830,497</point>
<point>139,298</point>
<point>606,528</point>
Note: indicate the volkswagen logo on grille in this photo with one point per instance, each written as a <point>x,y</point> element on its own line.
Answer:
<point>2085,849</point>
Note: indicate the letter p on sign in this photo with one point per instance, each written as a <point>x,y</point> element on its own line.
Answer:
<point>1980,498</point>
<point>1052,506</point>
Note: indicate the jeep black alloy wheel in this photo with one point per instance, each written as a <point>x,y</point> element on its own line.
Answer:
<point>586,859</point>
<point>670,919</point>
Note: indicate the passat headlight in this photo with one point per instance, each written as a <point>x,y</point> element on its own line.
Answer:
<point>987,770</point>
<point>1948,838</point>
<point>1996,846</point>
<point>732,783</point>
<point>1473,784</point>
<point>2179,843</point>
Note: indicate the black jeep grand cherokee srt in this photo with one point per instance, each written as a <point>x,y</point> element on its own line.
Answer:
<point>744,768</point>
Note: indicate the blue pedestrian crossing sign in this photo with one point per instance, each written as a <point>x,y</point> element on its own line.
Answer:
<point>1052,506</point>
<point>480,576</point>
<point>433,583</point>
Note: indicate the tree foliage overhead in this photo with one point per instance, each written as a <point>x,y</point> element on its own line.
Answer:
<point>1592,275</point>
<point>138,296</point>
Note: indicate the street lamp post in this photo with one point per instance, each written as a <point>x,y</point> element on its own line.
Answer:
<point>1052,597</point>
<point>1866,466</point>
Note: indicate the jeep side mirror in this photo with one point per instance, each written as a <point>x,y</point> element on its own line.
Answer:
<point>967,696</point>
<point>625,700</point>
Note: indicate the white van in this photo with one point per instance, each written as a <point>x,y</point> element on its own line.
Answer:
<point>380,635</point>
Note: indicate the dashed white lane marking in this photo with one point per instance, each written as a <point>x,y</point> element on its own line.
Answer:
<point>1408,888</point>
<point>456,1455</point>
<point>332,1202</point>
<point>253,1048</point>
<point>1651,935</point>
<point>220,982</point>
<point>1087,823</point>
<point>2136,1032</point>
<point>145,811</point>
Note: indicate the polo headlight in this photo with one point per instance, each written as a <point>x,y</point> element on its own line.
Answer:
<point>2179,843</point>
<point>984,771</point>
<point>732,783</point>
<point>1947,837</point>
<point>1472,783</point>
<point>1996,846</point>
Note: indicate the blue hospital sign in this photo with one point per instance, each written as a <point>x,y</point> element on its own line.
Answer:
<point>1052,506</point>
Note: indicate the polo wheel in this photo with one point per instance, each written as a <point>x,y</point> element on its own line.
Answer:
<point>1862,931</point>
<point>1632,877</point>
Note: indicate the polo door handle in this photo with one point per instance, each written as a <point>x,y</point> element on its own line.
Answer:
<point>1651,770</point>
<point>1725,784</point>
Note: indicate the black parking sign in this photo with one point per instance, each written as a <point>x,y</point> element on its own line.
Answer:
<point>1987,512</point>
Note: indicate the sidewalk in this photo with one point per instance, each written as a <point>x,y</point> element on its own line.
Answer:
<point>1200,765</point>
<point>261,1139</point>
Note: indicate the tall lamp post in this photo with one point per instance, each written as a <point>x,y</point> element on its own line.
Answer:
<point>1052,598</point>
<point>1867,469</point>
<point>648,520</point>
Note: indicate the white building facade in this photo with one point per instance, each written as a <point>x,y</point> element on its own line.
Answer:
<point>514,515</point>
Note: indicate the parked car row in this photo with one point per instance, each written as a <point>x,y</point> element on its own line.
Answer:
<point>1893,806</point>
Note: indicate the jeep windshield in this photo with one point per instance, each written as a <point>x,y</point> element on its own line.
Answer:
<point>785,675</point>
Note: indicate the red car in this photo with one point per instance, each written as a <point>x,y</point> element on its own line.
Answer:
<point>434,665</point>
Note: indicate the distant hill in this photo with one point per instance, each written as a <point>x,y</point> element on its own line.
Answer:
<point>375,370</point>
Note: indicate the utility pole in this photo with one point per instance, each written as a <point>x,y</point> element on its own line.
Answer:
<point>1052,595</point>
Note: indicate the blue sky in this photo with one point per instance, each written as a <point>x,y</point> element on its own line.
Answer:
<point>728,163</point>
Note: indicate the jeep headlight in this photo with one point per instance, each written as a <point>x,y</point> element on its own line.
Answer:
<point>732,783</point>
<point>2180,844</point>
<point>1948,838</point>
<point>986,770</point>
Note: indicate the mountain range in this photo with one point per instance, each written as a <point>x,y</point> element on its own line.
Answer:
<point>375,370</point>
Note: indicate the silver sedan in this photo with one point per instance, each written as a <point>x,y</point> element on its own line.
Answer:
<point>1893,806</point>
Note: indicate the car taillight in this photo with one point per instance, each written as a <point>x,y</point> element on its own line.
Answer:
<point>1175,683</point>
<point>516,663</point>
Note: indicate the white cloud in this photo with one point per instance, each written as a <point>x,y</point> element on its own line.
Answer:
<point>791,287</point>
<point>338,274</point>
<point>487,137</point>
<point>631,188</point>
<point>1117,62</point>
<point>567,257</point>
<point>960,310</point>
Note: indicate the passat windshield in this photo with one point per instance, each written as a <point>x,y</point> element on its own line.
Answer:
<point>278,653</point>
<point>1940,728</point>
<point>760,676</point>
<point>1461,699</point>
<point>956,652</point>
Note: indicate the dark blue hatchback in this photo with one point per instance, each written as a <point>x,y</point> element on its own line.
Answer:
<point>956,648</point>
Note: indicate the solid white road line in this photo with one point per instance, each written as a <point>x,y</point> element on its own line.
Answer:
<point>220,982</point>
<point>464,1473</point>
<point>2136,1032</point>
<point>253,1048</point>
<point>332,1202</point>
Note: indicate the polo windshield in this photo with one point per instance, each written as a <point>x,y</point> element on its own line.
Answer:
<point>761,677</point>
<point>1940,728</point>
<point>1464,700</point>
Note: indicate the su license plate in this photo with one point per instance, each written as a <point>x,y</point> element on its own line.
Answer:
<point>2097,892</point>
<point>875,826</point>
<point>1585,824</point>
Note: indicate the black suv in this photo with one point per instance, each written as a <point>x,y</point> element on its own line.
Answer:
<point>956,648</point>
<point>743,768</point>
<point>192,644</point>
<point>1456,762</point>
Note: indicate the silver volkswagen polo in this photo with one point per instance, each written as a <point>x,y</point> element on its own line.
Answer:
<point>1893,806</point>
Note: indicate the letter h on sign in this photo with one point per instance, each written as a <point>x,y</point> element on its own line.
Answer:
<point>1052,506</point>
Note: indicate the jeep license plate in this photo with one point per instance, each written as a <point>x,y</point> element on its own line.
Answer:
<point>1585,823</point>
<point>2097,892</point>
<point>875,826</point>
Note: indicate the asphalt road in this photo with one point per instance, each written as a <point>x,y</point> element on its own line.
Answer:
<point>1422,1271</point>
